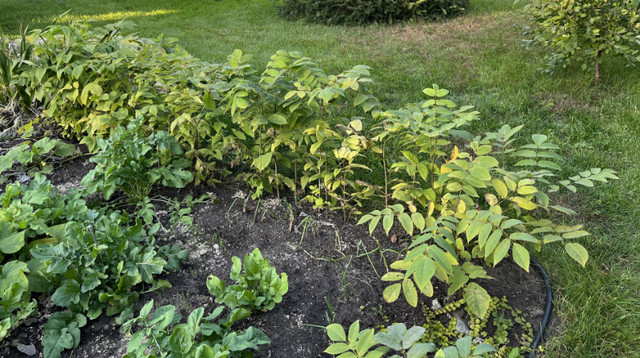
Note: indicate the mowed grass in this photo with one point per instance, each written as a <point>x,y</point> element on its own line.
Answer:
<point>478,57</point>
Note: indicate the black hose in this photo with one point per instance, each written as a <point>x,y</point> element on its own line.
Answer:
<point>547,311</point>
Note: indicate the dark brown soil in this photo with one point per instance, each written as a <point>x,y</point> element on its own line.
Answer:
<point>331,276</point>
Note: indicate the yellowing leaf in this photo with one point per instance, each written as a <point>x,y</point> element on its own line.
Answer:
<point>432,206</point>
<point>492,242</point>
<point>490,199</point>
<point>423,274</point>
<point>406,222</point>
<point>262,161</point>
<point>510,183</point>
<point>477,299</point>
<point>455,153</point>
<point>526,204</point>
<point>392,276</point>
<point>577,252</point>
<point>501,251</point>
<point>333,349</point>
<point>336,332</point>
<point>521,256</point>
<point>484,234</point>
<point>387,222</point>
<point>526,190</point>
<point>418,221</point>
<point>575,234</point>
<point>410,292</point>
<point>356,125</point>
<point>391,293</point>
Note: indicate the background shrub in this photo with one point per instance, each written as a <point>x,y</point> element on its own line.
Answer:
<point>358,12</point>
<point>585,30</point>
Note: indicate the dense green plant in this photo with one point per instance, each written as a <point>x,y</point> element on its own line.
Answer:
<point>96,264</point>
<point>82,77</point>
<point>13,61</point>
<point>585,30</point>
<point>358,12</point>
<point>258,286</point>
<point>91,81</point>
<point>15,303</point>
<point>35,157</point>
<point>279,113</point>
<point>31,214</point>
<point>160,335</point>
<point>62,332</point>
<point>133,161</point>
<point>90,259</point>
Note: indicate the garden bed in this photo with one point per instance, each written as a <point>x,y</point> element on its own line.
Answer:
<point>331,276</point>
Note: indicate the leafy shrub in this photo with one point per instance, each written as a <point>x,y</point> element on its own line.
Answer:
<point>358,12</point>
<point>258,288</point>
<point>585,30</point>
<point>160,335</point>
<point>458,192</point>
<point>90,81</point>
<point>133,161</point>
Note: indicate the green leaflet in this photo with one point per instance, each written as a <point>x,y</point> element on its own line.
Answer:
<point>477,299</point>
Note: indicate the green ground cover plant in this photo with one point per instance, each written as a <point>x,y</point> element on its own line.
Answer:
<point>87,258</point>
<point>592,130</point>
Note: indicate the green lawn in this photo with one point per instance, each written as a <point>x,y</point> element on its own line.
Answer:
<point>478,57</point>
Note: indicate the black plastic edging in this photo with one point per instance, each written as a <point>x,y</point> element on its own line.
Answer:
<point>547,311</point>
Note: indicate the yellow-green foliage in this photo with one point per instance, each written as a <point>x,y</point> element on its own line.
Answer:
<point>584,30</point>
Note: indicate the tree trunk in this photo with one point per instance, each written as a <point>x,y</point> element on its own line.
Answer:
<point>598,60</point>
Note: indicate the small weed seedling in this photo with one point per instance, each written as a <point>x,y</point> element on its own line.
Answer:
<point>330,313</point>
